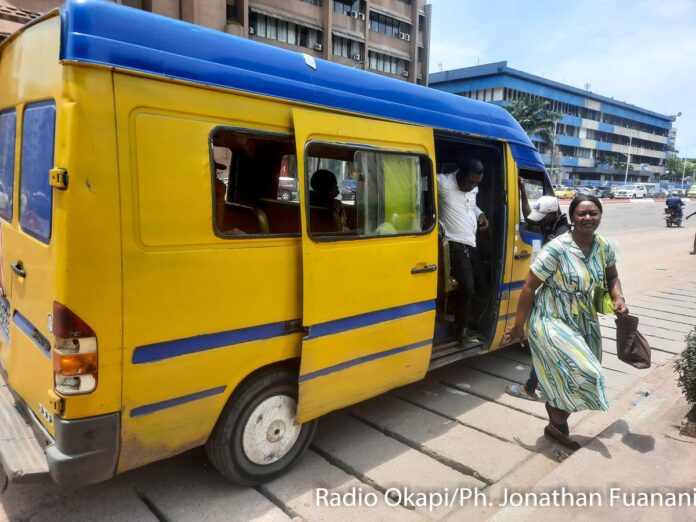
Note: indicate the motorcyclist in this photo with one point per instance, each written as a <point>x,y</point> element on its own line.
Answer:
<point>675,203</point>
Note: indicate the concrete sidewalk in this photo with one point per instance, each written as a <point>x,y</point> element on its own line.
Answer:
<point>632,470</point>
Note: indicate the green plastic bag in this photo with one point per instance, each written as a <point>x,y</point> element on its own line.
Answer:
<point>602,301</point>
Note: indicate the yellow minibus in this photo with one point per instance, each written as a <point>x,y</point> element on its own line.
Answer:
<point>160,293</point>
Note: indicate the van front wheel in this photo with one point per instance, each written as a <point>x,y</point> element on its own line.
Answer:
<point>256,438</point>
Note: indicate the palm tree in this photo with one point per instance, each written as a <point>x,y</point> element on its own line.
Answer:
<point>535,117</point>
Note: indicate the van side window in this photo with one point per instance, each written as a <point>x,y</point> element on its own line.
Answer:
<point>381,193</point>
<point>36,194</point>
<point>254,184</point>
<point>535,186</point>
<point>8,126</point>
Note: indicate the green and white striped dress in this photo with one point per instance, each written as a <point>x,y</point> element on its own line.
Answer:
<point>563,331</point>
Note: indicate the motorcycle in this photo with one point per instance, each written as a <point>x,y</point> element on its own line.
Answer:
<point>672,217</point>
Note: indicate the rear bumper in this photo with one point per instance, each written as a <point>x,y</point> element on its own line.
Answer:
<point>84,450</point>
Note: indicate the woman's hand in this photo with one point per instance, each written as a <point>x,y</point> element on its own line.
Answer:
<point>620,307</point>
<point>514,333</point>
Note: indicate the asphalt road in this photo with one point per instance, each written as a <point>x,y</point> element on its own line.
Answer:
<point>455,429</point>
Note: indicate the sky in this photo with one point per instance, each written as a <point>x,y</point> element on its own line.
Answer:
<point>642,52</point>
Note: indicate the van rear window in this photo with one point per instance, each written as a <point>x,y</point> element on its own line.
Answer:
<point>8,125</point>
<point>36,194</point>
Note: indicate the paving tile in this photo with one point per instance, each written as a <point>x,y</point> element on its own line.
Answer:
<point>442,437</point>
<point>487,387</point>
<point>501,421</point>
<point>188,487</point>
<point>310,488</point>
<point>383,461</point>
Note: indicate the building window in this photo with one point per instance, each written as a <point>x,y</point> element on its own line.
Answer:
<point>313,2</point>
<point>283,31</point>
<point>389,64</point>
<point>232,11</point>
<point>380,23</point>
<point>348,7</point>
<point>347,47</point>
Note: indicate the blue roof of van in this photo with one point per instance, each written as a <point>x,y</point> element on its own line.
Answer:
<point>106,33</point>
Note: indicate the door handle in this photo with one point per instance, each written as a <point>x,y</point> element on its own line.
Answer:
<point>423,269</point>
<point>522,255</point>
<point>18,268</point>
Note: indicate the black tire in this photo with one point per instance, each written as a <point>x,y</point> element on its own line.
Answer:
<point>225,445</point>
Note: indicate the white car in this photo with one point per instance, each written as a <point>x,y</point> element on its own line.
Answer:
<point>630,191</point>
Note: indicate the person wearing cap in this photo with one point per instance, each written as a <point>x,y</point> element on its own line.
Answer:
<point>545,213</point>
<point>461,218</point>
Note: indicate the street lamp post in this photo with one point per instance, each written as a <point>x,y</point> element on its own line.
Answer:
<point>686,152</point>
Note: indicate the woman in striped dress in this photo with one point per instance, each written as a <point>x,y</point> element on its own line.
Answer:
<point>563,331</point>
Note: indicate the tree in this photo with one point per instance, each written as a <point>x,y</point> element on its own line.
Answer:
<point>535,117</point>
<point>676,167</point>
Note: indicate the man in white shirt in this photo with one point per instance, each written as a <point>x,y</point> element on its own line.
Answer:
<point>460,218</point>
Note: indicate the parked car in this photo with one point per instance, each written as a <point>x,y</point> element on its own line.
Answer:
<point>659,193</point>
<point>347,188</point>
<point>630,191</point>
<point>691,193</point>
<point>588,191</point>
<point>287,188</point>
<point>605,192</point>
<point>562,192</point>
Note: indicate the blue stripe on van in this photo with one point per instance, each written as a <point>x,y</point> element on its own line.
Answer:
<point>177,401</point>
<point>31,331</point>
<point>362,360</point>
<point>510,287</point>
<point>200,343</point>
<point>369,319</point>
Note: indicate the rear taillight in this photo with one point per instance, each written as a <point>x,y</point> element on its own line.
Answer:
<point>75,357</point>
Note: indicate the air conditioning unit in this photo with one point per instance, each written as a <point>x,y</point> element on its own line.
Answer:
<point>251,30</point>
<point>361,16</point>
<point>356,56</point>
<point>404,73</point>
<point>317,47</point>
<point>354,14</point>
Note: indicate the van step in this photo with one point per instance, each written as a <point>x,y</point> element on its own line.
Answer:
<point>454,351</point>
<point>21,455</point>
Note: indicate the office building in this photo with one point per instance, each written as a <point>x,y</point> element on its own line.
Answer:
<point>594,134</point>
<point>389,37</point>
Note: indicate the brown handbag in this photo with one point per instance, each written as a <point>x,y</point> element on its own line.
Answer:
<point>631,347</point>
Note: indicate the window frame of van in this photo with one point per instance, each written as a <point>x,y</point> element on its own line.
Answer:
<point>22,164</point>
<point>258,133</point>
<point>426,166</point>
<point>12,164</point>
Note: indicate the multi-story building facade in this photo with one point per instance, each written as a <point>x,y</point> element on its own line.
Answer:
<point>594,133</point>
<point>389,37</point>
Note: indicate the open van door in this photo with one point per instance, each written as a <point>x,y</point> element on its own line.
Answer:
<point>369,285</point>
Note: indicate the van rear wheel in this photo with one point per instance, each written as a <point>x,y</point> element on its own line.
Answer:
<point>256,438</point>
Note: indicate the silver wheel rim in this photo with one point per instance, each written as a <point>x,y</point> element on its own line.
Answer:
<point>271,431</point>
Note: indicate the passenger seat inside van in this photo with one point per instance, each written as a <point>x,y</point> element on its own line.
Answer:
<point>237,218</point>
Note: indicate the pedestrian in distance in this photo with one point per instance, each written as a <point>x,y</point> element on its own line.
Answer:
<point>563,330</point>
<point>546,214</point>
<point>461,218</point>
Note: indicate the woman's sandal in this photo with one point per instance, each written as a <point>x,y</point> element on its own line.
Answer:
<point>519,391</point>
<point>553,433</point>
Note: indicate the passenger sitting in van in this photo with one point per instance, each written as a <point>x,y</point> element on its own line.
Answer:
<point>324,192</point>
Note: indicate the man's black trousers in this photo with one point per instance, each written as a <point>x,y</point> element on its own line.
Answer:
<point>466,268</point>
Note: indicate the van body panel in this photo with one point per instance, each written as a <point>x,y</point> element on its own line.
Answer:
<point>380,335</point>
<point>185,289</point>
<point>30,77</point>
<point>79,264</point>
